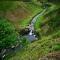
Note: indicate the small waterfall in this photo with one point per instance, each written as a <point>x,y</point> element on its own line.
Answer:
<point>30,33</point>
<point>31,26</point>
<point>31,36</point>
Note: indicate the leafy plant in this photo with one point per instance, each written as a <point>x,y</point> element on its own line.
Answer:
<point>24,42</point>
<point>8,35</point>
<point>56,47</point>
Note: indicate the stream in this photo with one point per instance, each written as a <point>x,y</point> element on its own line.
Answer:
<point>31,36</point>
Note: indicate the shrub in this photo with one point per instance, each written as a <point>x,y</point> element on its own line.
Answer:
<point>8,35</point>
<point>56,47</point>
<point>23,41</point>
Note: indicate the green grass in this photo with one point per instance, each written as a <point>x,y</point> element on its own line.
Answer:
<point>38,22</point>
<point>36,49</point>
<point>34,9</point>
<point>41,18</point>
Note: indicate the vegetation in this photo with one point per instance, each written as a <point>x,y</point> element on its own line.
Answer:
<point>47,28</point>
<point>33,8</point>
<point>8,35</point>
<point>37,49</point>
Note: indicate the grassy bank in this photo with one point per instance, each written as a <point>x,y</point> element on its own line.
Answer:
<point>50,37</point>
<point>37,49</point>
<point>34,9</point>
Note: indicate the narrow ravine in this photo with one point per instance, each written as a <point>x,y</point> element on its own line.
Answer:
<point>31,36</point>
<point>34,20</point>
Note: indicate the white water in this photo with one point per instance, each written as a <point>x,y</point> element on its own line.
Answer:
<point>31,27</point>
<point>30,32</point>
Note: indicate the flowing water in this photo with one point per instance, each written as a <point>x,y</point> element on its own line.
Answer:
<point>31,36</point>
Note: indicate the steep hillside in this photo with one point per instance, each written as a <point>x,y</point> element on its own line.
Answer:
<point>38,49</point>
<point>48,44</point>
<point>13,15</point>
<point>21,11</point>
<point>47,29</point>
